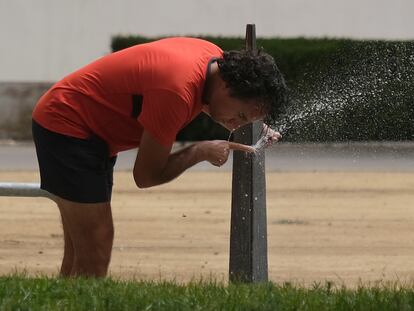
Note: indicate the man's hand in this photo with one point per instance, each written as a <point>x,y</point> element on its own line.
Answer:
<point>271,135</point>
<point>217,151</point>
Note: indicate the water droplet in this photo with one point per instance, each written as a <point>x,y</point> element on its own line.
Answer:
<point>231,132</point>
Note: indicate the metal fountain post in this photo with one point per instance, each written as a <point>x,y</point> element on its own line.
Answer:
<point>248,232</point>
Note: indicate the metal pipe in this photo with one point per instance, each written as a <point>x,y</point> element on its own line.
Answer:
<point>18,189</point>
<point>248,229</point>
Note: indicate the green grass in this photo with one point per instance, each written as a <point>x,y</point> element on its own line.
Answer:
<point>42,293</point>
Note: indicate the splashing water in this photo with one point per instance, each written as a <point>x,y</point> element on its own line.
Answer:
<point>356,99</point>
<point>263,142</point>
<point>231,133</point>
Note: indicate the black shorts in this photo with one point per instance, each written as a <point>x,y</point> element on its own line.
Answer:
<point>74,169</point>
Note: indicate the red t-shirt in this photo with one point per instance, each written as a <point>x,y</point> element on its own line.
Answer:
<point>156,86</point>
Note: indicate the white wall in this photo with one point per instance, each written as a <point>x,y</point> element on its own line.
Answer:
<point>43,40</point>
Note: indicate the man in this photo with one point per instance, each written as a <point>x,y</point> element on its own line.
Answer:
<point>140,97</point>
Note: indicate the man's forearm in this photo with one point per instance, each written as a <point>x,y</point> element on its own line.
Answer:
<point>180,161</point>
<point>216,152</point>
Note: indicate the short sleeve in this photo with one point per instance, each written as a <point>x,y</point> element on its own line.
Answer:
<point>163,115</point>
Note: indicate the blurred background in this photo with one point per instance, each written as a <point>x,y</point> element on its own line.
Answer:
<point>43,40</point>
<point>339,185</point>
<point>349,65</point>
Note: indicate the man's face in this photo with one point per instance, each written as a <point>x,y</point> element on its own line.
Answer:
<point>231,112</point>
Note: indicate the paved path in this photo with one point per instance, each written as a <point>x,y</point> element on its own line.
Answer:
<point>281,157</point>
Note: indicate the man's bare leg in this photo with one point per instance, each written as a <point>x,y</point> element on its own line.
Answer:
<point>68,252</point>
<point>89,228</point>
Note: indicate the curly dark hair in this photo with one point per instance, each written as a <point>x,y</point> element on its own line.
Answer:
<point>254,75</point>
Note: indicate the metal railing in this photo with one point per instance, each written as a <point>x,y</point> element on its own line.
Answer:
<point>16,189</point>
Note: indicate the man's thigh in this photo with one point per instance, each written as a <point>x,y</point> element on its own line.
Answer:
<point>77,170</point>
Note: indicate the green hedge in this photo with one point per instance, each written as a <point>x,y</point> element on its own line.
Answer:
<point>293,56</point>
<point>340,90</point>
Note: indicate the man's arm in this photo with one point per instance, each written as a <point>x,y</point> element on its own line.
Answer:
<point>155,164</point>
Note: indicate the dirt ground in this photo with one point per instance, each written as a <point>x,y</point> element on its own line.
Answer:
<point>345,227</point>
